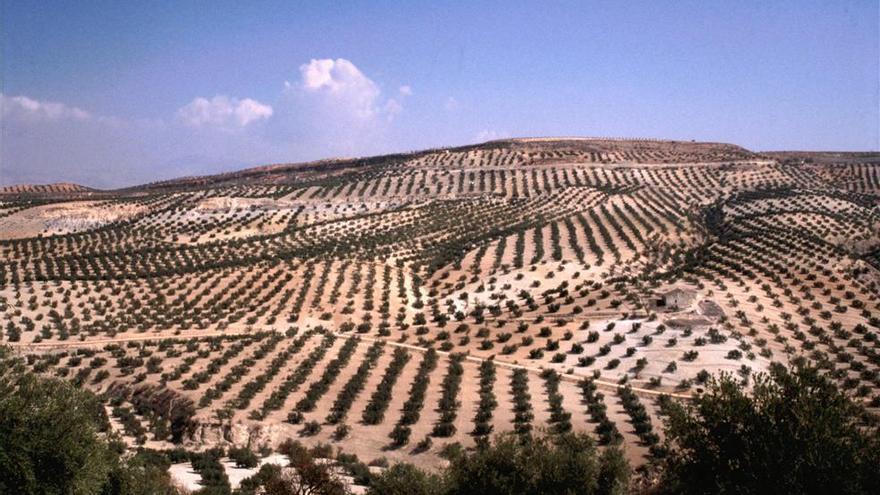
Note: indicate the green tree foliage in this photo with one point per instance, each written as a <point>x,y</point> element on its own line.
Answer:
<point>142,474</point>
<point>405,479</point>
<point>795,432</point>
<point>243,457</point>
<point>306,476</point>
<point>53,441</point>
<point>49,438</point>
<point>267,473</point>
<point>563,464</point>
<point>614,472</point>
<point>514,464</point>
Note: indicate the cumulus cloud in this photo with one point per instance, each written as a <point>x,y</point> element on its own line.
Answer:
<point>333,109</point>
<point>223,112</point>
<point>343,89</point>
<point>340,82</point>
<point>335,75</point>
<point>28,108</point>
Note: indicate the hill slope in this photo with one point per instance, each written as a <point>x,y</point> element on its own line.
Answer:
<point>422,294</point>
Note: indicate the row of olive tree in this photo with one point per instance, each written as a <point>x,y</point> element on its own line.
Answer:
<point>794,432</point>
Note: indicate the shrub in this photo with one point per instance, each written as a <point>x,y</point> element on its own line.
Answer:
<point>50,441</point>
<point>405,479</point>
<point>341,431</point>
<point>244,457</point>
<point>566,463</point>
<point>795,433</point>
<point>311,428</point>
<point>304,476</point>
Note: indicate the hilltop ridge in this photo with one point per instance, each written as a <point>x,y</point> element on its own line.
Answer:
<point>599,149</point>
<point>584,149</point>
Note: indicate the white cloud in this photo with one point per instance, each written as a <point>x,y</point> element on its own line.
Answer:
<point>334,107</point>
<point>24,107</point>
<point>331,109</point>
<point>451,104</point>
<point>343,86</point>
<point>335,75</point>
<point>490,135</point>
<point>223,111</point>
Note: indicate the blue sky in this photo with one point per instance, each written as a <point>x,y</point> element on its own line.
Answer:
<point>116,93</point>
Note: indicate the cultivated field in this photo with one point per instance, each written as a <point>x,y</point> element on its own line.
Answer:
<point>393,305</point>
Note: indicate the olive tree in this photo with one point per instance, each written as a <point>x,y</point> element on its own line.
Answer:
<point>794,432</point>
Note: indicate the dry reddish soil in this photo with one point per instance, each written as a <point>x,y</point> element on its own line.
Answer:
<point>555,276</point>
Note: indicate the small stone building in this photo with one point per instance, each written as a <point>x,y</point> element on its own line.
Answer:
<point>674,298</point>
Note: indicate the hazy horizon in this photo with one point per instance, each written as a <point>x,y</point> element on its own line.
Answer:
<point>109,95</point>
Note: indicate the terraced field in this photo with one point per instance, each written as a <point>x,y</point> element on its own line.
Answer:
<point>396,304</point>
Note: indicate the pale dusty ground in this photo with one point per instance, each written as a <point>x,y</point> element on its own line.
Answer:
<point>63,218</point>
<point>255,295</point>
<point>183,475</point>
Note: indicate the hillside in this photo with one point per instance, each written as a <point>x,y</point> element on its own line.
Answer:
<point>560,284</point>
<point>43,189</point>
